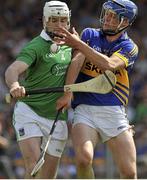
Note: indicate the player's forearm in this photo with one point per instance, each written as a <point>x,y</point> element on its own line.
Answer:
<point>74,68</point>
<point>11,77</point>
<point>99,59</point>
<point>13,72</point>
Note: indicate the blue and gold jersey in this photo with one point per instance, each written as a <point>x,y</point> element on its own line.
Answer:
<point>125,49</point>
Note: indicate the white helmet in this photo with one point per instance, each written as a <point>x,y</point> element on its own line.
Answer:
<point>56,8</point>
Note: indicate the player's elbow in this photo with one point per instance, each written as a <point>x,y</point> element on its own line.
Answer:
<point>9,71</point>
<point>108,65</point>
<point>112,66</point>
<point>113,63</point>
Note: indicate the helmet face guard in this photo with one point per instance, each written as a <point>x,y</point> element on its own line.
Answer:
<point>123,11</point>
<point>56,9</point>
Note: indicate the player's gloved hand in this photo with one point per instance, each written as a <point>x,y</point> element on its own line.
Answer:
<point>16,90</point>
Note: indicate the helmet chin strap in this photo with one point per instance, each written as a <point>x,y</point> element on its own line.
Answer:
<point>52,35</point>
<point>113,33</point>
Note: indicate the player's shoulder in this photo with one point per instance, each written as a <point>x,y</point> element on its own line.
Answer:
<point>90,33</point>
<point>34,43</point>
<point>36,40</point>
<point>127,42</point>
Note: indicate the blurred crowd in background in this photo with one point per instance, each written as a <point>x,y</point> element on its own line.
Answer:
<point>20,21</point>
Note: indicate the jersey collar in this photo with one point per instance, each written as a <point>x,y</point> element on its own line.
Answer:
<point>44,35</point>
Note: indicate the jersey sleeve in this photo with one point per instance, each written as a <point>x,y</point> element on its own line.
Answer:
<point>85,35</point>
<point>128,52</point>
<point>28,54</point>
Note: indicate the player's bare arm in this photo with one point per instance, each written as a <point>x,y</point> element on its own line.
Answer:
<point>12,75</point>
<point>102,61</point>
<point>72,74</point>
<point>75,66</point>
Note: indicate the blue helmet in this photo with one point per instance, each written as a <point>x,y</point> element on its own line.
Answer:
<point>123,8</point>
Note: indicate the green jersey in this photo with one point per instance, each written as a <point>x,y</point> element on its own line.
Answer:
<point>46,69</point>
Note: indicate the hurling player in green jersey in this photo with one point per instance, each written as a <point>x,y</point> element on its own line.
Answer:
<point>45,65</point>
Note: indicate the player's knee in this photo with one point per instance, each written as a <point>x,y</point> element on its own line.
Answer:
<point>129,173</point>
<point>84,159</point>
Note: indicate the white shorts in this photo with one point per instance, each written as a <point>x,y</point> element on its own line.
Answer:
<point>109,121</point>
<point>28,124</point>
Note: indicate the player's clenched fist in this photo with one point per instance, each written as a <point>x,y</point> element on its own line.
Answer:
<point>17,91</point>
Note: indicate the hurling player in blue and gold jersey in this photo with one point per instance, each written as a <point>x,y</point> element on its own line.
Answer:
<point>99,117</point>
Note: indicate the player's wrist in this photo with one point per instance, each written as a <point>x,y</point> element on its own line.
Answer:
<point>79,44</point>
<point>14,84</point>
<point>68,94</point>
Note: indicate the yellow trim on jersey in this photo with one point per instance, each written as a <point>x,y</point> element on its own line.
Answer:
<point>122,77</point>
<point>124,97</point>
<point>122,57</point>
<point>122,88</point>
<point>119,98</point>
<point>122,85</point>
<point>134,50</point>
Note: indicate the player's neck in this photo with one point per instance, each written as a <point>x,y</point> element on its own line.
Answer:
<point>113,38</point>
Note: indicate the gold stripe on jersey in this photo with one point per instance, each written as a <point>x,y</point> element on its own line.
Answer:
<point>122,95</point>
<point>122,77</point>
<point>134,50</point>
<point>120,98</point>
<point>121,89</point>
<point>121,57</point>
